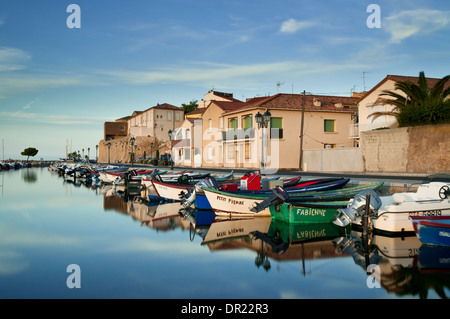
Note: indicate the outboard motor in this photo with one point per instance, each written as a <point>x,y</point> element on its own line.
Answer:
<point>278,196</point>
<point>189,198</point>
<point>348,215</point>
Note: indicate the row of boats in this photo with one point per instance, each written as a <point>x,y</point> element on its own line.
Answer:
<point>425,211</point>
<point>6,166</point>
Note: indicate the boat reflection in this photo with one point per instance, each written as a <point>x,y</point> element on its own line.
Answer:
<point>405,266</point>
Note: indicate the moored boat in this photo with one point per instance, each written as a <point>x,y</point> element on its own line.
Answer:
<point>306,213</point>
<point>391,213</point>
<point>432,230</point>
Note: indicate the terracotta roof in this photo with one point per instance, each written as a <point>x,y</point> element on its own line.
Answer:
<point>401,78</point>
<point>197,111</point>
<point>167,106</point>
<point>229,106</point>
<point>295,102</point>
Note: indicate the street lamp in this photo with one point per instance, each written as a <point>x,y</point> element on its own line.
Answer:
<point>171,159</point>
<point>96,153</point>
<point>263,122</point>
<point>132,140</point>
<point>109,149</point>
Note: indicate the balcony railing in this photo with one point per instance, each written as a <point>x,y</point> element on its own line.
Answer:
<point>354,131</point>
<point>238,134</point>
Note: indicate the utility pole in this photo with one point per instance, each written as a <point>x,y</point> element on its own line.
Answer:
<point>300,164</point>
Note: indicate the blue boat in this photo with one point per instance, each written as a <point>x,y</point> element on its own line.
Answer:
<point>201,202</point>
<point>432,230</point>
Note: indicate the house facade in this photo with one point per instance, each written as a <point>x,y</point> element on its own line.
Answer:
<point>366,105</point>
<point>156,121</point>
<point>231,136</point>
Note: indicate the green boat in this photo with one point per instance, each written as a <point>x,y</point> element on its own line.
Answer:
<point>302,233</point>
<point>305,213</point>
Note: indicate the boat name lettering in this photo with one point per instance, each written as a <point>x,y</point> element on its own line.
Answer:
<point>233,231</point>
<point>311,212</point>
<point>221,198</point>
<point>311,234</point>
<point>235,201</point>
<point>437,212</point>
<point>444,261</point>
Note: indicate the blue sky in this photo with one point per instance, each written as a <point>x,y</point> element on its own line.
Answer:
<point>59,83</point>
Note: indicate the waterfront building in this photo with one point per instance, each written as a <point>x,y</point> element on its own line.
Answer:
<point>366,105</point>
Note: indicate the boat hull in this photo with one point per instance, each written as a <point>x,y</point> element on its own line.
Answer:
<point>225,204</point>
<point>170,191</point>
<point>293,214</point>
<point>433,231</point>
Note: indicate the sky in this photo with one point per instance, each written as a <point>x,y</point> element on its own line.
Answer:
<point>65,71</point>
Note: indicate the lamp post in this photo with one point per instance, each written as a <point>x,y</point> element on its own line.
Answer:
<point>96,153</point>
<point>89,149</point>
<point>109,149</point>
<point>263,122</point>
<point>132,140</point>
<point>171,159</point>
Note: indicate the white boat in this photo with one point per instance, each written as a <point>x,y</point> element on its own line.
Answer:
<point>391,213</point>
<point>170,191</point>
<point>227,204</point>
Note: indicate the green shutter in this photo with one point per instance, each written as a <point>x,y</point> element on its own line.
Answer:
<point>276,122</point>
<point>248,122</point>
<point>328,125</point>
<point>233,124</point>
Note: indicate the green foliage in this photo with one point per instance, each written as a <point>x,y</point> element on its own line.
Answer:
<point>417,104</point>
<point>193,105</point>
<point>30,151</point>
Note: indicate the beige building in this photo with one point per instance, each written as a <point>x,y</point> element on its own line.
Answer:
<point>366,105</point>
<point>232,138</point>
<point>156,121</point>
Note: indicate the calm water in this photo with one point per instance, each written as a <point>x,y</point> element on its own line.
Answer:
<point>126,249</point>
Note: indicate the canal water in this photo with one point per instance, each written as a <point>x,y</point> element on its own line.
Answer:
<point>60,239</point>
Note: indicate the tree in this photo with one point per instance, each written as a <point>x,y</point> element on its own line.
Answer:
<point>417,104</point>
<point>193,105</point>
<point>30,151</point>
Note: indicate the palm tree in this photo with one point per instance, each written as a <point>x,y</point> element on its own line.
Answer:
<point>417,104</point>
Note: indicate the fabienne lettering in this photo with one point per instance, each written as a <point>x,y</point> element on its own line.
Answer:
<point>311,212</point>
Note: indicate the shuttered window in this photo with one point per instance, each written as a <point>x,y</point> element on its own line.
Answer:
<point>329,125</point>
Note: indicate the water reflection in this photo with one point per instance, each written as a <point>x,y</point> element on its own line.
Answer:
<point>29,175</point>
<point>406,267</point>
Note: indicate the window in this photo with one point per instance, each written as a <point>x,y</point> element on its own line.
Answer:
<point>179,135</point>
<point>231,152</point>
<point>177,116</point>
<point>169,116</point>
<point>247,121</point>
<point>247,151</point>
<point>276,127</point>
<point>329,126</point>
<point>188,134</point>
<point>232,123</point>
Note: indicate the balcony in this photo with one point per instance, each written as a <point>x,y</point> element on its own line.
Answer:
<point>354,131</point>
<point>238,134</point>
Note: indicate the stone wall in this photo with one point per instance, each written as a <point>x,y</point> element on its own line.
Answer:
<point>120,149</point>
<point>417,149</point>
<point>333,160</point>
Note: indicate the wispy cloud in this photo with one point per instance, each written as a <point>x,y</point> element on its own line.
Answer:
<point>52,119</point>
<point>410,23</point>
<point>203,73</point>
<point>293,26</point>
<point>18,83</point>
<point>12,59</point>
